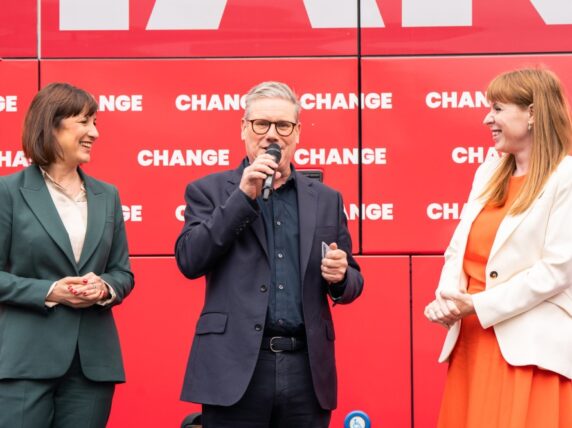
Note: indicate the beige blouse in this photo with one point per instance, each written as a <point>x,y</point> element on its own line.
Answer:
<point>73,213</point>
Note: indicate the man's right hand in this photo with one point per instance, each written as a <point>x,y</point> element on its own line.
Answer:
<point>254,175</point>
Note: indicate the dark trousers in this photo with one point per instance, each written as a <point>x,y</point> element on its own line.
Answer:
<point>280,395</point>
<point>71,401</point>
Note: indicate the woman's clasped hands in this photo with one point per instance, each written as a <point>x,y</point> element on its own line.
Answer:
<point>79,291</point>
<point>449,307</point>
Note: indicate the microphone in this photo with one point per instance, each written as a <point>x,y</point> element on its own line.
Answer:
<point>267,189</point>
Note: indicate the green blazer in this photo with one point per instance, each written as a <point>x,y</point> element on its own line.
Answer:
<point>37,342</point>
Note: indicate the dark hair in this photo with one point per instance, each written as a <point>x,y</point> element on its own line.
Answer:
<point>49,107</point>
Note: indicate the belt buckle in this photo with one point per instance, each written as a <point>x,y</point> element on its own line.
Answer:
<point>272,345</point>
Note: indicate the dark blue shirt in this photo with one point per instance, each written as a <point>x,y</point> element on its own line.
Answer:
<point>280,215</point>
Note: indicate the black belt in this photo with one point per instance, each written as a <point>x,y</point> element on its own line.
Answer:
<point>283,343</point>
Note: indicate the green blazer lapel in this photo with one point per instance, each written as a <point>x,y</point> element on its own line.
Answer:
<point>37,196</point>
<point>96,213</point>
<point>307,209</point>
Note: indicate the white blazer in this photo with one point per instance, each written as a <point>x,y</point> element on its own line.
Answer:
<point>528,294</point>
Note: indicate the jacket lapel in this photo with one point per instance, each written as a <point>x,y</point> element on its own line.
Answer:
<point>471,211</point>
<point>307,209</point>
<point>257,225</point>
<point>468,216</point>
<point>37,196</point>
<point>508,226</point>
<point>96,213</point>
<point>258,229</point>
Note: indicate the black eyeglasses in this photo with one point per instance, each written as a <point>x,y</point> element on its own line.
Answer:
<point>261,126</point>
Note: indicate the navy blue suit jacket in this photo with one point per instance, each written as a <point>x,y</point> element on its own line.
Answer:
<point>224,239</point>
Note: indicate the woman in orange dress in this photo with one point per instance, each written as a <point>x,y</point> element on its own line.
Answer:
<point>505,292</point>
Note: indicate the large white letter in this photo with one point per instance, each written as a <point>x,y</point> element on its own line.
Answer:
<point>437,13</point>
<point>94,15</point>
<point>342,14</point>
<point>554,12</point>
<point>186,15</point>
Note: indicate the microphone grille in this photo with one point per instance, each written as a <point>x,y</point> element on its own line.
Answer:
<point>274,150</point>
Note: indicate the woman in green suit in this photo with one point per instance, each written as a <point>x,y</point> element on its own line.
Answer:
<point>63,265</point>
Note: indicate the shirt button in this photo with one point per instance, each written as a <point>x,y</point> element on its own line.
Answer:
<point>278,223</point>
<point>281,286</point>
<point>263,288</point>
<point>258,327</point>
<point>280,255</point>
<point>493,274</point>
<point>280,321</point>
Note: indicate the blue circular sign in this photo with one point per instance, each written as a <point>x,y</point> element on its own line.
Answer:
<point>357,419</point>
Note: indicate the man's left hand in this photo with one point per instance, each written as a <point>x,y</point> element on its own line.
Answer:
<point>334,264</point>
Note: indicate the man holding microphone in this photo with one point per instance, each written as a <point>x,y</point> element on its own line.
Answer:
<point>273,245</point>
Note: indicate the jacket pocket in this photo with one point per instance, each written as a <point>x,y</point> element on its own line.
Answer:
<point>212,322</point>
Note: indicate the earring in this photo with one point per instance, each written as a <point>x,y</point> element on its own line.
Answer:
<point>529,126</point>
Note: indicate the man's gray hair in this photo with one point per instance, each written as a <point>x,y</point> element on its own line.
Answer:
<point>271,90</point>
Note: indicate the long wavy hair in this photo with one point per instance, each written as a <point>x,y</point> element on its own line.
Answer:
<point>551,133</point>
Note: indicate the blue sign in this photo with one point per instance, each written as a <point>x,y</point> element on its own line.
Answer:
<point>357,419</point>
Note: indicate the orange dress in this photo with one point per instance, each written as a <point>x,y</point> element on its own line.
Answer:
<point>482,390</point>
